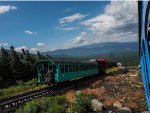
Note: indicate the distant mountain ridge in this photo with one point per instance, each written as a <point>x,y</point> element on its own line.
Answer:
<point>97,48</point>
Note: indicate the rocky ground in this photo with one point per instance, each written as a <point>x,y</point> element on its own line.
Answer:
<point>123,93</point>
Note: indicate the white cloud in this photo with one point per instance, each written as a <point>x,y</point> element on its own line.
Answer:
<point>40,47</point>
<point>40,44</point>
<point>72,18</point>
<point>19,49</point>
<point>6,8</point>
<point>82,39</point>
<point>69,9</point>
<point>67,28</point>
<point>3,44</point>
<point>34,50</point>
<point>119,22</point>
<point>30,32</point>
<point>70,28</point>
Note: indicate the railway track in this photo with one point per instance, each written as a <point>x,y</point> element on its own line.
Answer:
<point>12,103</point>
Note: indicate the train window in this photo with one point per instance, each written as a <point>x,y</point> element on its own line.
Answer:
<point>94,66</point>
<point>70,68</point>
<point>76,67</point>
<point>66,68</point>
<point>91,66</point>
<point>62,69</point>
<point>73,68</point>
<point>87,66</point>
<point>82,67</point>
<point>54,68</point>
<point>79,67</point>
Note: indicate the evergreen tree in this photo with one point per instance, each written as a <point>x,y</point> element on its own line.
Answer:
<point>21,56</point>
<point>5,58</point>
<point>4,64</point>
<point>39,55</point>
<point>29,58</point>
<point>15,63</point>
<point>23,52</point>
<point>14,56</point>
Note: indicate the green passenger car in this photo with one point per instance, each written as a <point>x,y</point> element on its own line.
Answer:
<point>65,70</point>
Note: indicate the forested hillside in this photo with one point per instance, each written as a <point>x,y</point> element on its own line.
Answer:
<point>17,66</point>
<point>128,58</point>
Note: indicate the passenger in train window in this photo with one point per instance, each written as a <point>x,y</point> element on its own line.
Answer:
<point>50,77</point>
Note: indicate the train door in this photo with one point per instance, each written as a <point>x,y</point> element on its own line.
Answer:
<point>40,74</point>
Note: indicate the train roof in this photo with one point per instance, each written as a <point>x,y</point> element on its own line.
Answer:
<point>66,62</point>
<point>101,60</point>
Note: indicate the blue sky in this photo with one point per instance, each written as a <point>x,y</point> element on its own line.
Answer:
<point>43,26</point>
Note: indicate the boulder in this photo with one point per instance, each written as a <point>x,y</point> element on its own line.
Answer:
<point>117,104</point>
<point>97,105</point>
<point>126,109</point>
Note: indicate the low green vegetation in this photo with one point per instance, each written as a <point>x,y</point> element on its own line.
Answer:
<point>21,88</point>
<point>81,104</point>
<point>54,104</point>
<point>58,104</point>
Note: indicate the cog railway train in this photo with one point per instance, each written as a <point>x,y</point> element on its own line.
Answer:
<point>68,70</point>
